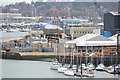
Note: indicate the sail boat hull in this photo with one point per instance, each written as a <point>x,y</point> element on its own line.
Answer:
<point>69,73</point>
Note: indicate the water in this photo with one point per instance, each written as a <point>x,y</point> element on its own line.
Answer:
<point>37,69</point>
<point>5,36</point>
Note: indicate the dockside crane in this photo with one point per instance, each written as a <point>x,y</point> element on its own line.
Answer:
<point>98,10</point>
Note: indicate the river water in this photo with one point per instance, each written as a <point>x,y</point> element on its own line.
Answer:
<point>33,69</point>
<point>5,36</point>
<point>37,69</point>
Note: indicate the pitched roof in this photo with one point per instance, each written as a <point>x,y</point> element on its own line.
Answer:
<point>99,38</point>
<point>85,37</point>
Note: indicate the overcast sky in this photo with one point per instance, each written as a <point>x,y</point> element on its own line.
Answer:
<point>5,2</point>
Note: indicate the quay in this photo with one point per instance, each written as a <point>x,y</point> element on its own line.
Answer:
<point>50,56</point>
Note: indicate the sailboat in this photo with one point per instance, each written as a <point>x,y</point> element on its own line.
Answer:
<point>70,71</point>
<point>101,66</point>
<point>55,65</point>
<point>64,66</point>
<point>113,69</point>
<point>90,66</point>
<point>89,73</point>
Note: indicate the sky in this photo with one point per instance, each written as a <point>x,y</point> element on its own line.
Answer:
<point>6,2</point>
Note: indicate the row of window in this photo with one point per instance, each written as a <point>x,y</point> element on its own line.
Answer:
<point>81,32</point>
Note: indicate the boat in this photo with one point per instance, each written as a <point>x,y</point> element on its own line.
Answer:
<point>84,67</point>
<point>69,72</point>
<point>74,67</point>
<point>89,73</point>
<point>10,30</point>
<point>24,30</point>
<point>55,65</point>
<point>90,66</point>
<point>114,69</point>
<point>63,68</point>
<point>100,67</point>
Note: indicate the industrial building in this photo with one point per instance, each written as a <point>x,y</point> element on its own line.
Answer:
<point>112,22</point>
<point>80,31</point>
<point>9,18</point>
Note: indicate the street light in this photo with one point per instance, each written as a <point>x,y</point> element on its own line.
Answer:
<point>118,42</point>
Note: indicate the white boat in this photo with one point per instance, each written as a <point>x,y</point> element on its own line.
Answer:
<point>63,68</point>
<point>100,67</point>
<point>69,72</point>
<point>112,69</point>
<point>90,66</point>
<point>84,66</point>
<point>55,65</point>
<point>10,30</point>
<point>89,73</point>
<point>24,30</point>
<point>74,67</point>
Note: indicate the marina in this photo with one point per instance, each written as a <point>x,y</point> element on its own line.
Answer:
<point>59,74</point>
<point>49,44</point>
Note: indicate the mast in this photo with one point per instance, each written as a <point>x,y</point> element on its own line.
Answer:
<point>81,63</point>
<point>86,51</point>
<point>102,56</point>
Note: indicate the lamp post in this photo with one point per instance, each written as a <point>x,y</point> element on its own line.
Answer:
<point>118,42</point>
<point>117,46</point>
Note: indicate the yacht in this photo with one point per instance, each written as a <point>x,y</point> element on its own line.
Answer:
<point>55,65</point>
<point>63,68</point>
<point>100,67</point>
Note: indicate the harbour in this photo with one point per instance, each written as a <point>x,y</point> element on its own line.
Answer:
<point>74,44</point>
<point>47,63</point>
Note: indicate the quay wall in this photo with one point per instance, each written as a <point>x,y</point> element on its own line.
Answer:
<point>50,56</point>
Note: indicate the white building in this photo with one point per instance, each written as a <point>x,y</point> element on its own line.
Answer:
<point>8,18</point>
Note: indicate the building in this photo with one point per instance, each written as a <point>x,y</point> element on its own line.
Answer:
<point>77,22</point>
<point>6,17</point>
<point>80,31</point>
<point>9,18</point>
<point>112,22</point>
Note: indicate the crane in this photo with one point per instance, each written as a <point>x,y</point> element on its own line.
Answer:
<point>98,10</point>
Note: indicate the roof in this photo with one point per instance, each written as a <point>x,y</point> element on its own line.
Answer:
<point>92,40</point>
<point>83,38</point>
<point>114,37</point>
<point>99,38</point>
<point>52,31</point>
<point>115,13</point>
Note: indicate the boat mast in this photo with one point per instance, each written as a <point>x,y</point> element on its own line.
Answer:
<point>86,51</point>
<point>81,63</point>
<point>102,56</point>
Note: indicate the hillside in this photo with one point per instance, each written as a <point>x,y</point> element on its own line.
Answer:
<point>62,8</point>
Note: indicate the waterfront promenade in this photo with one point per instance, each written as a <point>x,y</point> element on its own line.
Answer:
<point>41,53</point>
